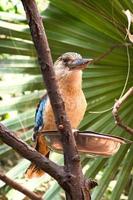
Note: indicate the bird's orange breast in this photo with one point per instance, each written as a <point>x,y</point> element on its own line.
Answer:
<point>75,106</point>
<point>75,103</point>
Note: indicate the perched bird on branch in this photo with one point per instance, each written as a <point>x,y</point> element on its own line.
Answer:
<point>68,70</point>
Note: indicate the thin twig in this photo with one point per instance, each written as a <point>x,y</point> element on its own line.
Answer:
<point>116,108</point>
<point>109,51</point>
<point>19,187</point>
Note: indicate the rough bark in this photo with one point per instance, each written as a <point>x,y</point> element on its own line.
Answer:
<point>56,171</point>
<point>8,137</point>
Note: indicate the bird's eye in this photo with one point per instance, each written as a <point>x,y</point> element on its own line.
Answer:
<point>66,60</point>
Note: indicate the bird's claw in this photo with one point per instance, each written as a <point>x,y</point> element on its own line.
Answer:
<point>75,132</point>
<point>34,136</point>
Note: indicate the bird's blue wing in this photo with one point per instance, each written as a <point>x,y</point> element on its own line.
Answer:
<point>39,114</point>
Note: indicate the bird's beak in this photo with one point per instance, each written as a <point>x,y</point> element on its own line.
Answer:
<point>79,63</point>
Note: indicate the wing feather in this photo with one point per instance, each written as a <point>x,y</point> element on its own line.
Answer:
<point>39,122</point>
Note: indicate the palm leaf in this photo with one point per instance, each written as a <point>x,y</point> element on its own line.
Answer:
<point>97,30</point>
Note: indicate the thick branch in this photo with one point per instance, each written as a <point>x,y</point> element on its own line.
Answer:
<point>116,108</point>
<point>41,161</point>
<point>19,187</point>
<point>74,179</point>
<point>31,154</point>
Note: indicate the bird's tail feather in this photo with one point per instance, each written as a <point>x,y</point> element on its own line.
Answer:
<point>33,170</point>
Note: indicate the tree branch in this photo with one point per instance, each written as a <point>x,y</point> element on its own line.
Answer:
<point>116,108</point>
<point>109,51</point>
<point>19,187</point>
<point>31,154</point>
<point>74,177</point>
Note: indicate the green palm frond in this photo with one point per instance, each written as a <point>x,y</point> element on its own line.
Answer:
<point>97,30</point>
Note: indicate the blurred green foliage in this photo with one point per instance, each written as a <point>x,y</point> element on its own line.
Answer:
<point>91,28</point>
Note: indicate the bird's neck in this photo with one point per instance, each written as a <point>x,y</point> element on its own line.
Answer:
<point>72,82</point>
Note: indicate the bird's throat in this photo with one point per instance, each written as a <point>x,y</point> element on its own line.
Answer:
<point>71,82</point>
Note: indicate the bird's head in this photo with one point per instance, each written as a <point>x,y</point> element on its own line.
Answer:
<point>68,63</point>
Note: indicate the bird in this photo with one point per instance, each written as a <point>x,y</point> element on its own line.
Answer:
<point>68,72</point>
